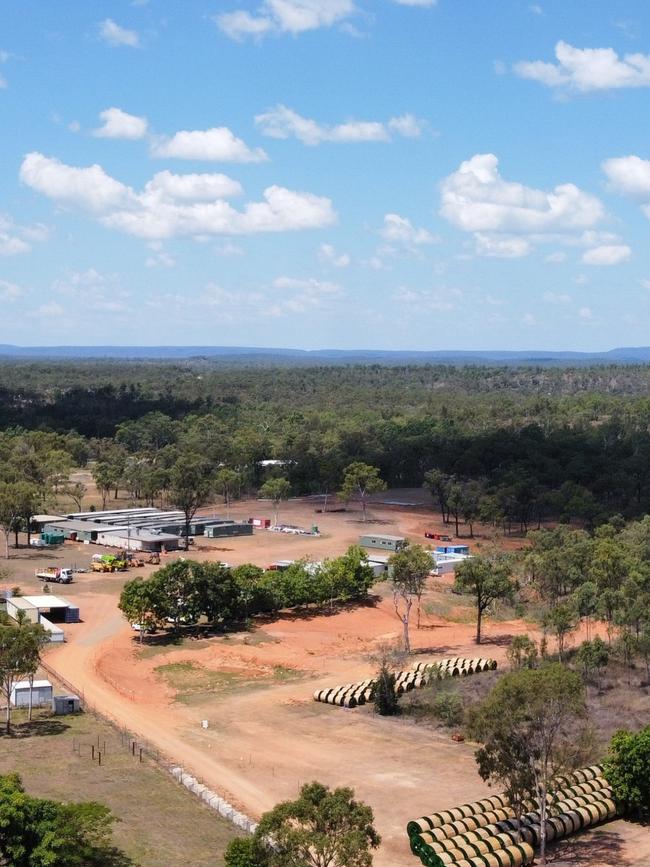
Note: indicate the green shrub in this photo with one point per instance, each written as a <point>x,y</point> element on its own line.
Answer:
<point>448,708</point>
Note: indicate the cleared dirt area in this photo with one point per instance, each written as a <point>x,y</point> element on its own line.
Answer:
<point>266,735</point>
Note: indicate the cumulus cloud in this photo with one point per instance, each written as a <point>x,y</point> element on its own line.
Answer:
<point>285,296</point>
<point>400,230</point>
<point>113,34</point>
<point>174,205</point>
<point>508,217</point>
<point>501,247</point>
<point>281,122</point>
<point>10,292</point>
<point>284,16</point>
<point>630,176</point>
<point>89,188</point>
<point>588,69</point>
<point>218,144</point>
<point>476,198</point>
<point>120,124</point>
<point>416,2</point>
<point>607,254</point>
<point>193,187</point>
<point>330,256</point>
<point>16,239</point>
<point>101,293</point>
<point>556,298</point>
<point>418,300</point>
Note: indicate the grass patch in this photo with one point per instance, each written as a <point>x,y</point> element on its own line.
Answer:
<point>193,682</point>
<point>154,812</point>
<point>452,606</point>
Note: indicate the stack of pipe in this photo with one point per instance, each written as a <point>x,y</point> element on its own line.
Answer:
<point>487,832</point>
<point>457,666</point>
<point>356,694</point>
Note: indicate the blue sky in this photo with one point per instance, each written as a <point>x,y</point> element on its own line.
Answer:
<point>404,174</point>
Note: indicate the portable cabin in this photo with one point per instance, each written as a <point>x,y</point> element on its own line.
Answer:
<point>385,542</point>
<point>453,549</point>
<point>218,530</point>
<point>65,704</point>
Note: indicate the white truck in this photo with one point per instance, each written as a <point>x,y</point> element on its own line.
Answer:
<point>57,574</point>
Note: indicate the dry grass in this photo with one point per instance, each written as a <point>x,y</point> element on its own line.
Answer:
<point>160,823</point>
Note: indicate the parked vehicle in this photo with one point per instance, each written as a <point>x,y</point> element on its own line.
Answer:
<point>442,537</point>
<point>56,574</point>
<point>38,543</point>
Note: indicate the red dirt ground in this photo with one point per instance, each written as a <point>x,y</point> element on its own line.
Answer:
<point>267,738</point>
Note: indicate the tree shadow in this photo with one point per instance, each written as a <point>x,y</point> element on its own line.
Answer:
<point>294,614</point>
<point>35,728</point>
<point>111,856</point>
<point>590,847</point>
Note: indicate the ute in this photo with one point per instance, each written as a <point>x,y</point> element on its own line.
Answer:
<point>55,574</point>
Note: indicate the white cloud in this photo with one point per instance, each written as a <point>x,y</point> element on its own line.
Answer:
<point>3,83</point>
<point>10,291</point>
<point>117,36</point>
<point>630,176</point>
<point>282,122</point>
<point>585,313</point>
<point>284,297</point>
<point>15,239</point>
<point>528,319</point>
<point>400,230</point>
<point>507,217</point>
<point>556,298</point>
<point>48,311</point>
<point>476,198</point>
<point>120,124</point>
<point>160,258</point>
<point>556,258</point>
<point>330,256</point>
<point>174,205</point>
<point>416,2</point>
<point>588,69</point>
<point>284,16</point>
<point>607,254</point>
<point>101,293</point>
<point>89,188</point>
<point>228,249</point>
<point>192,187</point>
<point>415,301</point>
<point>218,144</point>
<point>503,247</point>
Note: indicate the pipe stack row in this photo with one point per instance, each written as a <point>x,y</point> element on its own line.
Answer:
<point>458,666</point>
<point>353,695</point>
<point>486,833</point>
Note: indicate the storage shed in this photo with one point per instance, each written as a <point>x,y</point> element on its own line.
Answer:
<point>388,543</point>
<point>64,704</point>
<point>47,609</point>
<point>41,693</point>
<point>79,531</point>
<point>138,540</point>
<point>217,530</point>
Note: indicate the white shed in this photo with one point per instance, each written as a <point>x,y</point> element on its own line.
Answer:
<point>41,693</point>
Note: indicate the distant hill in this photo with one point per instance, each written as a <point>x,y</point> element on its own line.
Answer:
<point>263,355</point>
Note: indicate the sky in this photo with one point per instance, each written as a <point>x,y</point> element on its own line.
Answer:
<point>354,174</point>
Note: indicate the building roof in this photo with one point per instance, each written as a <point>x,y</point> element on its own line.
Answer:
<point>137,534</point>
<point>24,684</point>
<point>83,526</point>
<point>383,536</point>
<point>46,600</point>
<point>45,519</point>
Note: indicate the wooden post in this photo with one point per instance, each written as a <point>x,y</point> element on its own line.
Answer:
<point>140,755</point>
<point>99,758</point>
<point>93,752</point>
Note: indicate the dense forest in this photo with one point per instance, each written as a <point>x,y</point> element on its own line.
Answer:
<point>506,444</point>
